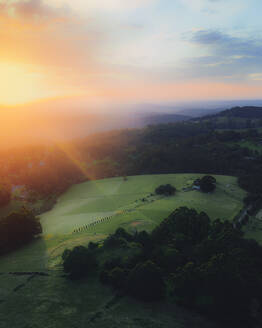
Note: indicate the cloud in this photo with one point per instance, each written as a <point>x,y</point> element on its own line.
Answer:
<point>208,37</point>
<point>104,5</point>
<point>256,76</point>
<point>201,4</point>
<point>51,41</point>
<point>222,8</point>
<point>32,10</point>
<point>226,44</point>
<point>227,56</point>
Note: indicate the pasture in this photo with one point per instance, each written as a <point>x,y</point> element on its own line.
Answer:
<point>132,200</point>
<point>94,209</point>
<point>89,212</point>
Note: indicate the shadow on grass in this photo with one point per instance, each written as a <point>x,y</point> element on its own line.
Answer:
<point>31,257</point>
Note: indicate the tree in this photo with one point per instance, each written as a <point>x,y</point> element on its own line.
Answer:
<point>166,190</point>
<point>78,262</point>
<point>183,223</point>
<point>117,277</point>
<point>145,282</point>
<point>17,229</point>
<point>207,183</point>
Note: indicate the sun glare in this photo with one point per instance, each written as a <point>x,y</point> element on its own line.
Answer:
<point>19,84</point>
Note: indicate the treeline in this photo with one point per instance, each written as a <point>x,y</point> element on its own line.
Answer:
<point>235,118</point>
<point>18,229</point>
<point>182,147</point>
<point>251,112</point>
<point>187,259</point>
<point>44,170</point>
<point>51,169</point>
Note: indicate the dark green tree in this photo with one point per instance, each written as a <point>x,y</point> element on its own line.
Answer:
<point>145,282</point>
<point>166,190</point>
<point>17,229</point>
<point>79,262</point>
<point>207,183</point>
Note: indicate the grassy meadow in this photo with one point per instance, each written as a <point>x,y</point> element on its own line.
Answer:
<point>123,202</point>
<point>95,209</point>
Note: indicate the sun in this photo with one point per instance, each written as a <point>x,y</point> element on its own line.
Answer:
<point>20,84</point>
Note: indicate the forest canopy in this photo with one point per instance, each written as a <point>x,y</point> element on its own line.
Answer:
<point>185,259</point>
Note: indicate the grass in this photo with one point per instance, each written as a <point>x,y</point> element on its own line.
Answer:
<point>87,202</point>
<point>120,200</point>
<point>53,301</point>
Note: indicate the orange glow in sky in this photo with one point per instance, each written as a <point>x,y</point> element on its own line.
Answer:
<point>108,50</point>
<point>18,85</point>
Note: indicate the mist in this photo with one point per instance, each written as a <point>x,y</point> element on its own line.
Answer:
<point>59,120</point>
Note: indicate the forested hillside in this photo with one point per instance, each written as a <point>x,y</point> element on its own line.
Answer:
<point>235,118</point>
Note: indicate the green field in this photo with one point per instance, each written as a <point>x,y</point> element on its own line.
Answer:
<point>121,202</point>
<point>90,201</point>
<point>53,301</point>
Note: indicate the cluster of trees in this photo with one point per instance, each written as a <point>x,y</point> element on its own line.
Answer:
<point>191,146</point>
<point>206,266</point>
<point>207,183</point>
<point>250,112</point>
<point>166,190</point>
<point>44,170</point>
<point>252,183</point>
<point>51,169</point>
<point>18,229</point>
<point>235,118</point>
<point>79,261</point>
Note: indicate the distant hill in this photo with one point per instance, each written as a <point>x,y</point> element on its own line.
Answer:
<point>246,112</point>
<point>250,112</point>
<point>164,119</point>
<point>235,118</point>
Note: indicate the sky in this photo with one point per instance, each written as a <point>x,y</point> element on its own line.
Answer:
<point>122,51</point>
